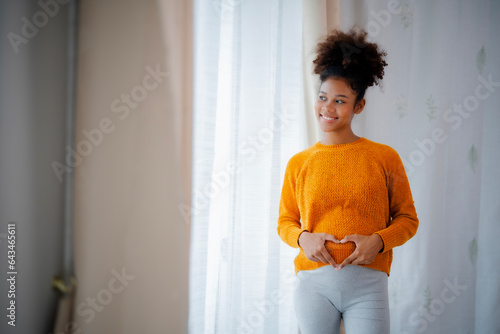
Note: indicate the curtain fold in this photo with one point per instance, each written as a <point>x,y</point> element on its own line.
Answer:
<point>487,247</point>
<point>319,18</point>
<point>247,123</point>
<point>438,107</point>
<point>134,142</point>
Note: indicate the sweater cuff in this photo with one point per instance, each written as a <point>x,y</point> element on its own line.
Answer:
<point>292,235</point>
<point>383,243</point>
<point>389,238</point>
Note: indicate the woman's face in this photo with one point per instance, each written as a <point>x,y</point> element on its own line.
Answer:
<point>335,106</point>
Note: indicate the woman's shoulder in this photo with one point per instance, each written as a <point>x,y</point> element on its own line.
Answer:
<point>302,155</point>
<point>383,153</point>
<point>382,149</point>
<point>299,159</point>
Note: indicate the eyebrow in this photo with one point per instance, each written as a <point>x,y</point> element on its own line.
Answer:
<point>338,95</point>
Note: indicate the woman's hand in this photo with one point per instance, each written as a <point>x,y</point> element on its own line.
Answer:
<point>313,245</point>
<point>367,247</point>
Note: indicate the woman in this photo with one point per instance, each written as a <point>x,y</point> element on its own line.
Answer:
<point>346,201</point>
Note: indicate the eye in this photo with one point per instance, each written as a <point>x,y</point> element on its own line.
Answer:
<point>339,101</point>
<point>322,98</point>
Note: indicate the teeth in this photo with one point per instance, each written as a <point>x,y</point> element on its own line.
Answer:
<point>329,118</point>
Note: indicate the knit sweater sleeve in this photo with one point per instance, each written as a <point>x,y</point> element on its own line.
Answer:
<point>404,221</point>
<point>289,225</point>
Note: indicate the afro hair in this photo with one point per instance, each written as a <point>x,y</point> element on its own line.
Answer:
<point>350,56</point>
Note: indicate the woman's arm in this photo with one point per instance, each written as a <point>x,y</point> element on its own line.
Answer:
<point>289,226</point>
<point>404,221</point>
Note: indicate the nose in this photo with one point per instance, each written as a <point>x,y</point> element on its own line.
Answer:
<point>328,108</point>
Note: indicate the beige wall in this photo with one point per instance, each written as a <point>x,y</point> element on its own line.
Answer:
<point>136,173</point>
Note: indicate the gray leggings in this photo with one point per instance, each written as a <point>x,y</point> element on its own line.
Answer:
<point>357,294</point>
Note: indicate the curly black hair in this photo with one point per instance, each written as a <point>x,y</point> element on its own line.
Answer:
<point>350,56</point>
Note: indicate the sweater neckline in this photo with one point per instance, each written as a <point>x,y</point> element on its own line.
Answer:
<point>357,142</point>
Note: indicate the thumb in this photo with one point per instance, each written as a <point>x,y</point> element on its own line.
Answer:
<point>347,238</point>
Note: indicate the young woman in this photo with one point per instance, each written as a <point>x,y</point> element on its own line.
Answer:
<point>346,201</point>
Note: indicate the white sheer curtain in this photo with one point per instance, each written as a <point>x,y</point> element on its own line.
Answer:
<point>249,118</point>
<point>437,112</point>
<point>248,121</point>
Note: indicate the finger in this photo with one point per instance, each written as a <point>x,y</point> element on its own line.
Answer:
<point>317,256</point>
<point>351,237</point>
<point>348,260</point>
<point>313,258</point>
<point>329,258</point>
<point>322,258</point>
<point>331,237</point>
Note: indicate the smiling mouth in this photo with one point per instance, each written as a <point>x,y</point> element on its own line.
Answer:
<point>329,118</point>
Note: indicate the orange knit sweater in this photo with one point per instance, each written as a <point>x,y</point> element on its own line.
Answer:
<point>355,188</point>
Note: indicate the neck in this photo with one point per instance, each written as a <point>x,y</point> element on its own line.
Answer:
<point>335,138</point>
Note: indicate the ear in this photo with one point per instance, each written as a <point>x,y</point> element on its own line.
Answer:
<point>358,108</point>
